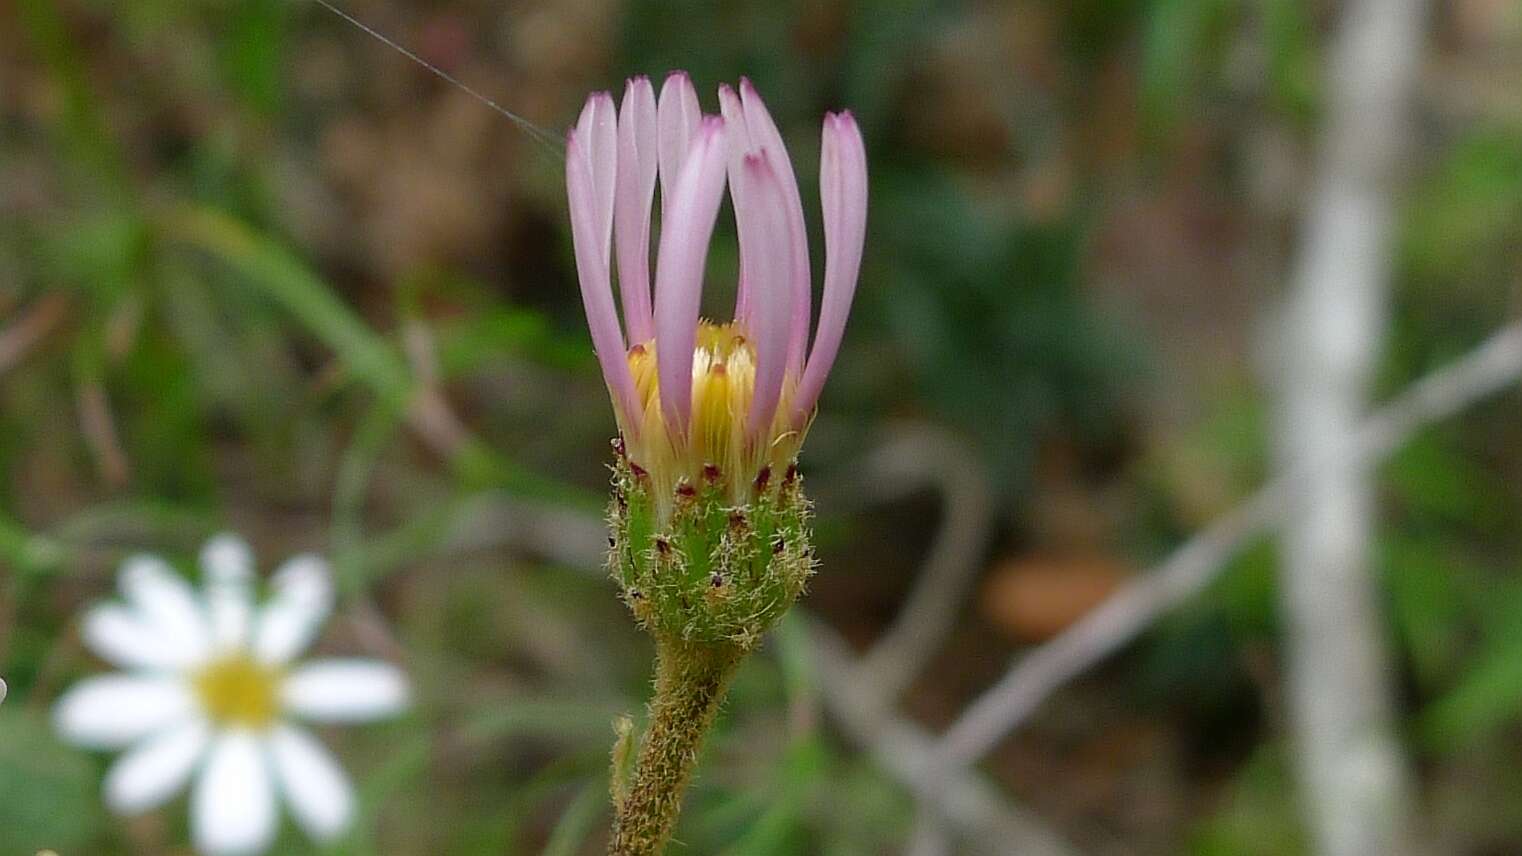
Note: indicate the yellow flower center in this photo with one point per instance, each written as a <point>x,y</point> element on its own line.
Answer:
<point>716,444</point>
<point>236,691</point>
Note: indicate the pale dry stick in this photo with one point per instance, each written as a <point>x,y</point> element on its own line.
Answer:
<point>26,332</point>
<point>931,836</point>
<point>1352,769</point>
<point>914,457</point>
<point>917,456</point>
<point>970,802</point>
<point>98,428</point>
<point>573,538</point>
<point>429,412</point>
<point>1035,676</point>
<point>907,752</point>
<point>372,629</point>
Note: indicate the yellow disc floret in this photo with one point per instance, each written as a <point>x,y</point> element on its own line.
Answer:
<point>236,691</point>
<point>716,445</point>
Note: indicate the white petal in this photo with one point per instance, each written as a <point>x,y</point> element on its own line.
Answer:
<point>166,603</point>
<point>227,556</point>
<point>228,566</point>
<point>155,770</point>
<point>112,711</point>
<point>315,786</point>
<point>123,638</point>
<point>232,811</point>
<point>345,690</point>
<point>303,596</point>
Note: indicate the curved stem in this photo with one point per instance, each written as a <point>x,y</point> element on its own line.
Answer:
<point>691,679</point>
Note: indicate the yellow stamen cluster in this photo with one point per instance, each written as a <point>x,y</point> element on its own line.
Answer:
<point>716,445</point>
<point>236,691</point>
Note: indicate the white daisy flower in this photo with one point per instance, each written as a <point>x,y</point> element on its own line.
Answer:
<point>210,690</point>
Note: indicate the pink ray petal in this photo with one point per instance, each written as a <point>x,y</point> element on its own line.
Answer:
<point>596,286</point>
<point>637,157</point>
<point>739,146</point>
<point>843,195</point>
<point>764,133</point>
<point>598,130</point>
<point>767,256</point>
<point>685,233</point>
<point>678,115</point>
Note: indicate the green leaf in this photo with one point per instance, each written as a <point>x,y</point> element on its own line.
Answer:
<point>1437,481</point>
<point>48,792</point>
<point>1257,816</point>
<point>1174,43</point>
<point>253,51</point>
<point>1426,604</point>
<point>578,821</point>
<point>290,283</point>
<point>1466,218</point>
<point>1488,695</point>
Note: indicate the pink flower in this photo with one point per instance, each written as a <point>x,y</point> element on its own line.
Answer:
<point>693,397</point>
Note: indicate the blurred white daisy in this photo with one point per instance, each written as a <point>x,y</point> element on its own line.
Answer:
<point>210,690</point>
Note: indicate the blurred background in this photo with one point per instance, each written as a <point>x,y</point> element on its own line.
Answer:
<point>260,272</point>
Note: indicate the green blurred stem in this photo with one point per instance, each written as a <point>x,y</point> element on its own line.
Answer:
<point>691,680</point>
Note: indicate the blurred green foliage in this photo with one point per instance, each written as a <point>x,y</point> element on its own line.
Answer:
<point>1054,189</point>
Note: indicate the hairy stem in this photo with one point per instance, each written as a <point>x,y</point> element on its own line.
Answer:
<point>691,679</point>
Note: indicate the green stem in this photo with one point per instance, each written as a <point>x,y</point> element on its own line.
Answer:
<point>691,679</point>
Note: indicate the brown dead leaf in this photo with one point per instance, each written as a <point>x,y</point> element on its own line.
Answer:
<point>1033,598</point>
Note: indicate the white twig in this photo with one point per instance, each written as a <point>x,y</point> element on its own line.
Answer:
<point>1357,794</point>
<point>906,752</point>
<point>916,457</point>
<point>1035,676</point>
<point>494,520</point>
<point>970,803</point>
<point>930,837</point>
<point>913,458</point>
